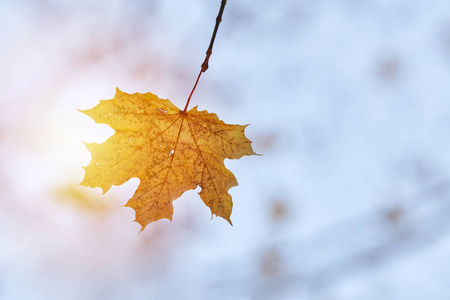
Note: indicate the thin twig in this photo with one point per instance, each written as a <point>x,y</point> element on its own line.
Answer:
<point>208,52</point>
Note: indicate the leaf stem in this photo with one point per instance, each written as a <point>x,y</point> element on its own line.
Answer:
<point>205,66</point>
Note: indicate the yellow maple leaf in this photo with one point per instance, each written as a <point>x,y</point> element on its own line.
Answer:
<point>171,151</point>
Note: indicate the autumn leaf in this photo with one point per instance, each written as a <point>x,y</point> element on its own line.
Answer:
<point>171,151</point>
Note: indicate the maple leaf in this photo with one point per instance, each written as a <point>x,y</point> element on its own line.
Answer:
<point>171,151</point>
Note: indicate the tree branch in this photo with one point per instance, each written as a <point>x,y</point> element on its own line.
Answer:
<point>205,65</point>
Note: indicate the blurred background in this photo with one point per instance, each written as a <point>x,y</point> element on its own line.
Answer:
<point>347,100</point>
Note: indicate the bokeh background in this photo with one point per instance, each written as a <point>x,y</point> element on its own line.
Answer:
<point>347,100</point>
